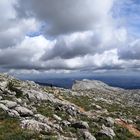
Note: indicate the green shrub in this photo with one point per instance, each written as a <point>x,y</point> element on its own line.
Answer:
<point>12,87</point>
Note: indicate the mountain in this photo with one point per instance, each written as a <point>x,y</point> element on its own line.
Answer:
<point>91,110</point>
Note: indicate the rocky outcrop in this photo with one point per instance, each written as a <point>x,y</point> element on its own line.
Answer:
<point>24,111</point>
<point>107,132</point>
<point>3,107</point>
<point>89,111</point>
<point>9,104</point>
<point>88,136</point>
<point>35,126</point>
<point>91,84</point>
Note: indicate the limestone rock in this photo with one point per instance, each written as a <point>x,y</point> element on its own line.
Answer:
<point>0,97</point>
<point>110,121</point>
<point>13,113</point>
<point>35,126</point>
<point>3,85</point>
<point>107,131</point>
<point>3,107</point>
<point>24,111</point>
<point>88,84</point>
<point>9,104</point>
<point>66,123</point>
<point>88,136</point>
<point>57,117</point>
<point>41,118</point>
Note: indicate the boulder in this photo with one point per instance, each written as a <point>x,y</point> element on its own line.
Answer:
<point>9,104</point>
<point>13,113</point>
<point>110,121</point>
<point>66,123</point>
<point>8,92</point>
<point>3,85</point>
<point>57,117</point>
<point>0,97</point>
<point>35,126</point>
<point>23,111</point>
<point>3,107</point>
<point>41,118</point>
<point>68,107</point>
<point>88,136</point>
<point>18,100</point>
<point>34,95</point>
<point>107,131</point>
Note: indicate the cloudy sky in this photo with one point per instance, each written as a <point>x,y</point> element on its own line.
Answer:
<point>69,36</point>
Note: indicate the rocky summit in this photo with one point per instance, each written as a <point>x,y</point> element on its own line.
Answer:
<point>91,110</point>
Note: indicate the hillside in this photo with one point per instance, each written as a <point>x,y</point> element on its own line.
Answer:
<point>91,110</point>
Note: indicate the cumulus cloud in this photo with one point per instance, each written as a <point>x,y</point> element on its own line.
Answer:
<point>12,28</point>
<point>132,52</point>
<point>64,16</point>
<point>65,36</point>
<point>24,54</point>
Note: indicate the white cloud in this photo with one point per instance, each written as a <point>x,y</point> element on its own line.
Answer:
<point>71,36</point>
<point>131,51</point>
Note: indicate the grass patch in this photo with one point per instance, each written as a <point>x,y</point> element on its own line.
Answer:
<point>48,110</point>
<point>123,134</point>
<point>10,129</point>
<point>45,109</point>
<point>81,101</point>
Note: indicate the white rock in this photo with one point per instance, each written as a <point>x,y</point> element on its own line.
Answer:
<point>130,121</point>
<point>110,121</point>
<point>18,100</point>
<point>87,136</point>
<point>41,118</point>
<point>36,95</point>
<point>65,138</point>
<point>35,125</point>
<point>24,111</point>
<point>57,117</point>
<point>0,97</point>
<point>3,107</point>
<point>13,113</point>
<point>98,107</point>
<point>66,123</point>
<point>107,131</point>
<point>3,84</point>
<point>9,104</point>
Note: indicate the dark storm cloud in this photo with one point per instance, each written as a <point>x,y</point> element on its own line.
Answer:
<point>70,47</point>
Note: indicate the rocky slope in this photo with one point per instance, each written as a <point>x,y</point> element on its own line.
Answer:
<point>91,110</point>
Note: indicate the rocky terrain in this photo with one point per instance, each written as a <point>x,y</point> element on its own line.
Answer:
<point>91,110</point>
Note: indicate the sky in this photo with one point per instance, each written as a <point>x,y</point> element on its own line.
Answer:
<point>56,37</point>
